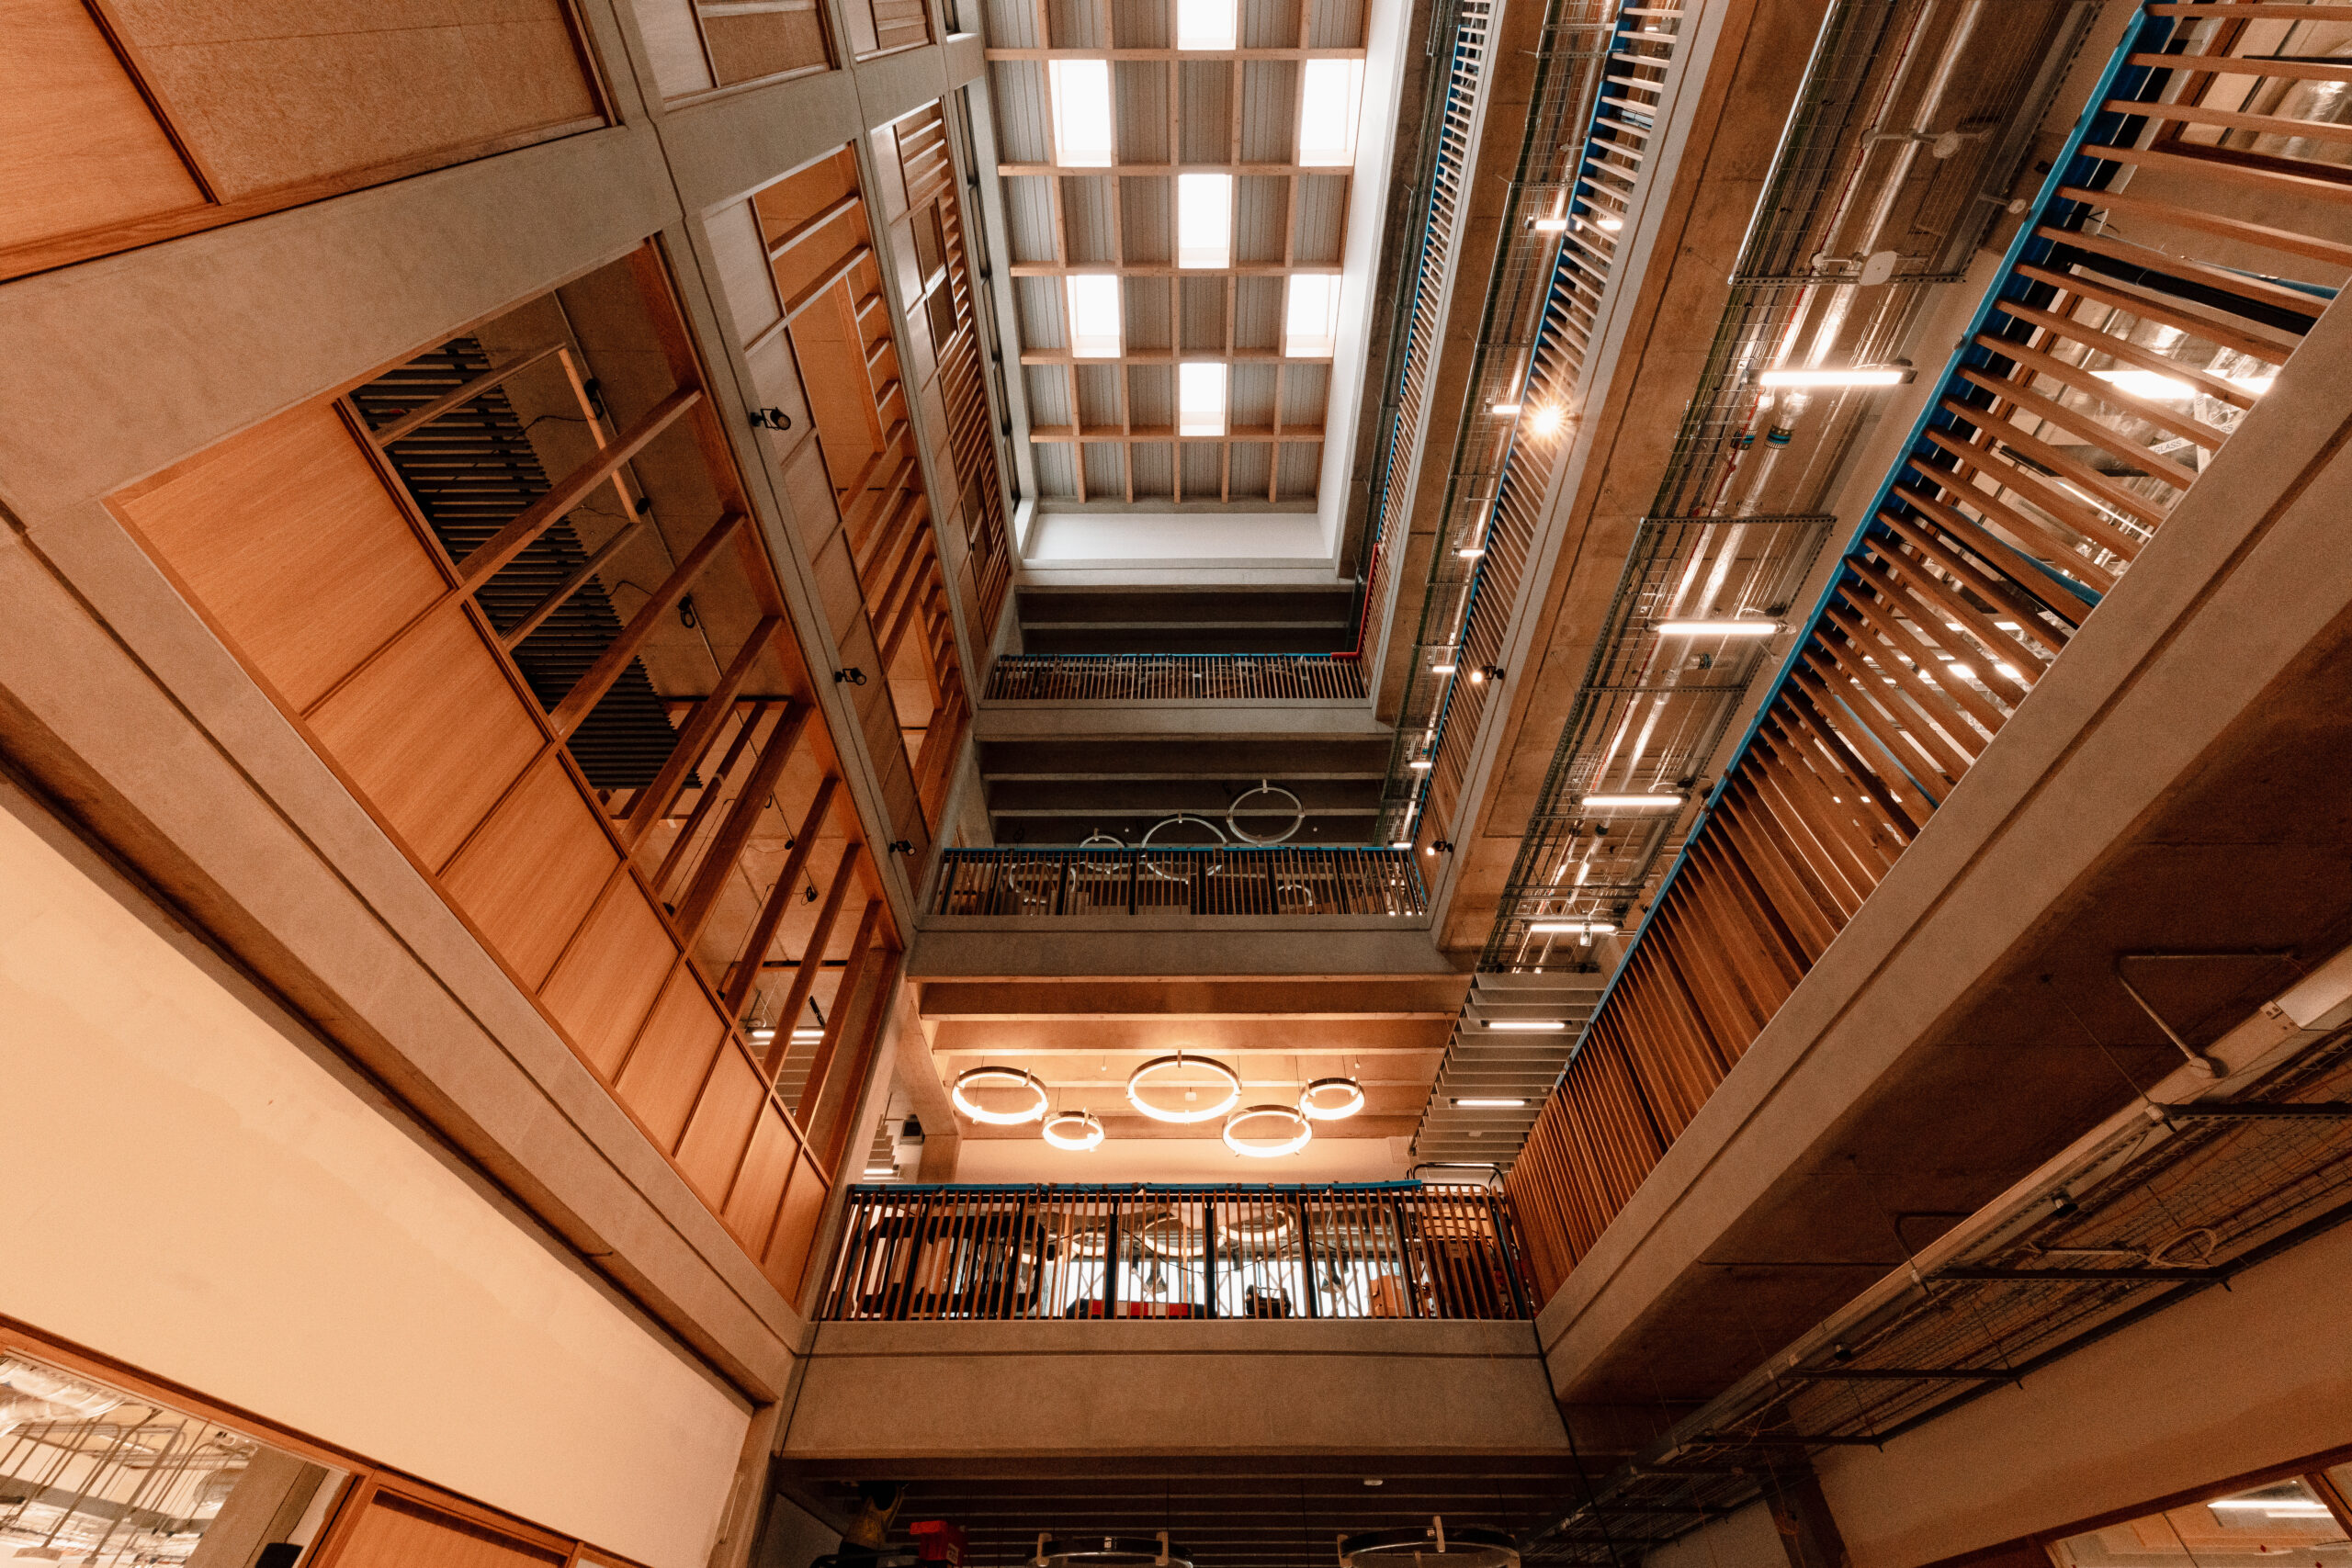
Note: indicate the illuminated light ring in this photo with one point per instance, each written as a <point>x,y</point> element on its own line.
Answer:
<point>1303,1133</point>
<point>1005,1077</point>
<point>1431,1545</point>
<point>1152,866</point>
<point>1053,1129</point>
<point>1298,818</point>
<point>1161,1114</point>
<point>1314,1112</point>
<point>1096,843</point>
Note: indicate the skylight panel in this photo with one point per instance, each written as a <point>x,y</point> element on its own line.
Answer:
<point>1082,92</point>
<point>1331,101</point>
<point>1200,400</point>
<point>1204,220</point>
<point>1207,24</point>
<point>1094,315</point>
<point>1311,316</point>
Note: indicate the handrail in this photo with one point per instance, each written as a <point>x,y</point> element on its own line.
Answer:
<point>1082,881</point>
<point>1175,677</point>
<point>1392,1249</point>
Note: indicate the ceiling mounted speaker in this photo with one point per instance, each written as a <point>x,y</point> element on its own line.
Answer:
<point>1433,1545</point>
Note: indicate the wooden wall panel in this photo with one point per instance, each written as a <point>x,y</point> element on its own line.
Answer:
<point>749,46</point>
<point>752,1207</point>
<point>721,1126</point>
<point>605,983</point>
<point>387,1530</point>
<point>287,538</point>
<point>675,43</point>
<point>795,1227</point>
<point>431,732</point>
<point>271,96</point>
<point>664,1073</point>
<point>85,152</point>
<point>530,876</point>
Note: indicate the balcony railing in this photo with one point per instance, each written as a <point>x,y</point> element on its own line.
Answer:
<point>1398,1249</point>
<point>1076,883</point>
<point>1175,677</point>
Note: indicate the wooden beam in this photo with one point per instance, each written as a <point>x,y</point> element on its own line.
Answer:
<point>710,877</point>
<point>788,1019</point>
<point>592,686</point>
<point>754,957</point>
<point>676,856</point>
<point>570,585</point>
<point>653,802</point>
<point>489,379</point>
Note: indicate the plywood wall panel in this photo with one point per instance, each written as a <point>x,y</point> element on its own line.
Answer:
<point>721,1126</point>
<point>795,1227</point>
<point>664,1073</point>
<point>393,1532</point>
<point>287,538</point>
<point>84,149</point>
<point>530,876</point>
<point>271,93</point>
<point>746,48</point>
<point>605,984</point>
<point>430,733</point>
<point>751,1208</point>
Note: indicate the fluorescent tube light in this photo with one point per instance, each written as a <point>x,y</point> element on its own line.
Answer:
<point>1400,844</point>
<point>1442,669</point>
<point>1311,316</point>
<point>1528,1025</point>
<point>1852,375</point>
<point>2274,1507</point>
<point>1572,928</point>
<point>1330,100</point>
<point>1420,763</point>
<point>1551,225</point>
<point>1094,315</point>
<point>1507,411</point>
<point>1204,220</point>
<point>760,1035</point>
<point>1200,400</point>
<point>881,1171</point>
<point>1471,552</point>
<point>805,1035</point>
<point>1081,93</point>
<point>1491,1104</point>
<point>1206,24</point>
<point>1737,626</point>
<point>1633,802</point>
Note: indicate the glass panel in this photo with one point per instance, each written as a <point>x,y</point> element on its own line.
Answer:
<point>92,1476</point>
<point>2285,1516</point>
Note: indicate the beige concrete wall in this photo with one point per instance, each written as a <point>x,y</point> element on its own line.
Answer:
<point>1746,1540</point>
<point>1138,1388</point>
<point>192,1187</point>
<point>2228,1382</point>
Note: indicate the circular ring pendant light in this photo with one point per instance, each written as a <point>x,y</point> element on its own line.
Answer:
<point>1285,1122</point>
<point>998,1077</point>
<point>1297,809</point>
<point>1078,1131</point>
<point>1434,1545</point>
<point>1331,1099</point>
<point>1164,1064</point>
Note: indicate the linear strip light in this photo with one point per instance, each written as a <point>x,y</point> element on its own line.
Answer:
<point>1491,1104</point>
<point>1739,626</point>
<point>1200,400</point>
<point>1331,101</point>
<point>1852,375</point>
<point>1081,92</point>
<point>1572,928</point>
<point>1094,315</point>
<point>1203,220</point>
<point>1633,802</point>
<point>1527,1025</point>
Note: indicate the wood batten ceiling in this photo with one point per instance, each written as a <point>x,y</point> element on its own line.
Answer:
<point>1118,414</point>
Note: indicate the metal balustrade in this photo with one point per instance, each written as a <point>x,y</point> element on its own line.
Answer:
<point>1175,677</point>
<point>2099,377</point>
<point>1399,1249</point>
<point>1070,884</point>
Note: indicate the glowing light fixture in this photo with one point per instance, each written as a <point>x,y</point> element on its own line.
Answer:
<point>1311,316</point>
<point>1852,375</point>
<point>1442,669</point>
<point>2273,1507</point>
<point>1331,1099</point>
<point>1572,928</point>
<point>1548,420</point>
<point>875,1170</point>
<point>1200,400</point>
<point>1204,220</point>
<point>1491,1104</point>
<point>1471,552</point>
<point>1506,411</point>
<point>998,1077</point>
<point>1230,1079</point>
<point>1633,802</point>
<point>1078,1131</point>
<point>1331,101</point>
<point>2172,389</point>
<point>1094,316</point>
<point>1206,24</point>
<point>1737,626</point>
<point>1081,93</point>
<point>802,1036</point>
<point>1527,1025</point>
<point>1286,1123</point>
<point>1550,225</point>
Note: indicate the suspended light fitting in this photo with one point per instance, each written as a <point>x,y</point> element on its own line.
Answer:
<point>1188,1112</point>
<point>1286,1122</point>
<point>1078,1131</point>
<point>1110,1552</point>
<point>998,1077</point>
<point>1433,1545</point>
<point>1331,1099</point>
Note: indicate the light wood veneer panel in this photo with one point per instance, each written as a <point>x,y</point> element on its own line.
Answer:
<point>603,988</point>
<point>404,1532</point>
<point>664,1074</point>
<point>84,149</point>
<point>722,1125</point>
<point>795,1227</point>
<point>530,876</point>
<point>752,1207</point>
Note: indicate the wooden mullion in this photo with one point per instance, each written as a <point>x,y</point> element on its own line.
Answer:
<point>2010,474</point>
<point>1896,575</point>
<point>1807,723</point>
<point>1957,483</point>
<point>718,865</point>
<point>590,688</point>
<point>812,957</point>
<point>2009,579</point>
<point>779,899</point>
<point>2066,467</point>
<point>2171,421</point>
<point>1925,666</point>
<point>1848,851</point>
<point>1762,821</point>
<point>1812,924</point>
<point>1719,947</point>
<point>674,858</point>
<point>2124,349</point>
<point>653,801</point>
<point>488,380</point>
<point>2111,292</point>
<point>1921,721</point>
<point>844,1008</point>
<point>1832,691</point>
<point>1856,689</point>
<point>1744,908</point>
<point>484,561</point>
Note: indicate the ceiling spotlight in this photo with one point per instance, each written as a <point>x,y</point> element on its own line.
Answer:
<point>1078,1131</point>
<point>998,1077</point>
<point>1852,375</point>
<point>1229,1078</point>
<point>1287,1130</point>
<point>1548,420</point>
<point>1331,1099</point>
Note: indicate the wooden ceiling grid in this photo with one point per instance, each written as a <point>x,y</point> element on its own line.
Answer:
<point>1265,442</point>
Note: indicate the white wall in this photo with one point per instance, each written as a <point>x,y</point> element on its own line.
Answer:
<point>190,1191</point>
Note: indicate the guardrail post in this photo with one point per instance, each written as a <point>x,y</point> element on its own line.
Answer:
<point>1110,1257</point>
<point>1508,1252</point>
<point>1208,1257</point>
<point>1307,1258</point>
<point>1135,858</point>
